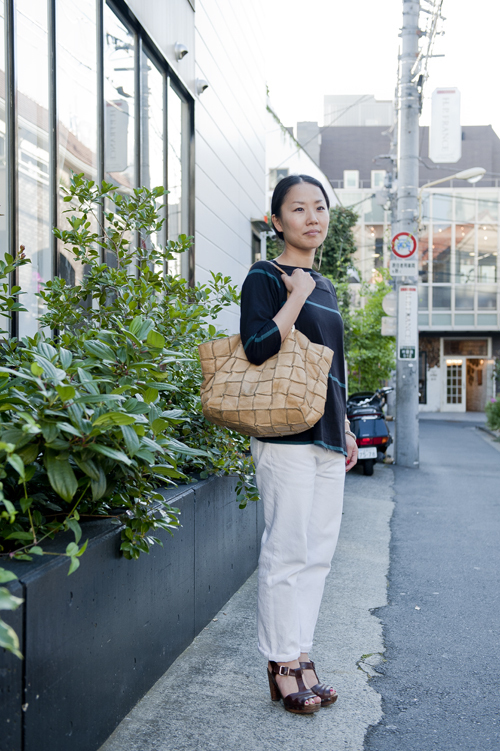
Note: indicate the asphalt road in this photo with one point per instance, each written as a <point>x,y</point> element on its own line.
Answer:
<point>440,682</point>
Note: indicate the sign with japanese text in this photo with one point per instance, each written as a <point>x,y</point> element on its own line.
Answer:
<point>404,255</point>
<point>407,342</point>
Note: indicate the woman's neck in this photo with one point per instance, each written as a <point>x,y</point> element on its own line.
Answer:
<point>294,257</point>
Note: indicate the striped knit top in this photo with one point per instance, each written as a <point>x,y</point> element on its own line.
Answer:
<point>263,294</point>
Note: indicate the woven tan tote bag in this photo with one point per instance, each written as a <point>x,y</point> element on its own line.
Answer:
<point>284,395</point>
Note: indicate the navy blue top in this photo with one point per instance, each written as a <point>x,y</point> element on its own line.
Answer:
<point>262,296</point>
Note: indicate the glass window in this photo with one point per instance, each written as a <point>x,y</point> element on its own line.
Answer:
<point>3,150</point>
<point>33,156</point>
<point>467,347</point>
<point>378,177</point>
<point>119,96</point>
<point>487,297</point>
<point>442,207</point>
<point>487,239</point>
<point>465,207</point>
<point>374,245</point>
<point>275,175</point>
<point>351,178</point>
<point>464,253</point>
<point>487,207</point>
<point>152,128</point>
<point>423,297</point>
<point>177,163</point>
<point>441,298</point>
<point>423,255</point>
<point>76,105</point>
<point>464,297</point>
<point>441,253</point>
<point>374,212</point>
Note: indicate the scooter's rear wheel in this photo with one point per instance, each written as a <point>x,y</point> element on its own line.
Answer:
<point>368,467</point>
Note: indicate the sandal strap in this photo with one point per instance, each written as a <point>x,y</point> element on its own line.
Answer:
<point>308,665</point>
<point>292,672</point>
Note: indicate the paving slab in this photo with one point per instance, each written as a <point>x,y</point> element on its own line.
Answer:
<point>216,696</point>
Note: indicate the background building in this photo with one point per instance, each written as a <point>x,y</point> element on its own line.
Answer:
<point>114,90</point>
<point>459,291</point>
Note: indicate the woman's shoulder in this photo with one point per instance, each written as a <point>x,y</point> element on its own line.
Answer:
<point>265,271</point>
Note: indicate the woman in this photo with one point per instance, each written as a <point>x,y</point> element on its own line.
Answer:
<point>300,477</point>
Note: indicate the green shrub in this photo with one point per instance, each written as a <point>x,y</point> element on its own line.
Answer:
<point>492,410</point>
<point>95,417</point>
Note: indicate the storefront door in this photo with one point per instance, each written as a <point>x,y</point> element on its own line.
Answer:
<point>454,387</point>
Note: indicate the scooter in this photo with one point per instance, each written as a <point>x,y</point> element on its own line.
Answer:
<point>364,412</point>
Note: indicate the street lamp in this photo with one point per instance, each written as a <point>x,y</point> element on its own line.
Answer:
<point>472,175</point>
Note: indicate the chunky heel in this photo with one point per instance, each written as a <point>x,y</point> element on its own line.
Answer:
<point>275,692</point>
<point>296,702</point>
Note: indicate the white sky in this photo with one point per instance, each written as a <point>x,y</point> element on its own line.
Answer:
<point>351,47</point>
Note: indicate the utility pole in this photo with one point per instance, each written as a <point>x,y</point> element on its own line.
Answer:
<point>406,445</point>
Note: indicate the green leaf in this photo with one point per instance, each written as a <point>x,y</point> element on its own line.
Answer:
<point>75,528</point>
<point>36,550</point>
<point>150,396</point>
<point>99,485</point>
<point>65,393</point>
<point>71,549</point>
<point>9,639</point>
<point>25,504</point>
<point>75,563</point>
<point>19,536</point>
<point>15,461</point>
<point>61,475</point>
<point>135,326</point>
<point>6,576</point>
<point>159,425</point>
<point>111,453</point>
<point>131,439</point>
<point>36,369</point>
<point>118,418</point>
<point>88,466</point>
<point>100,350</point>
<point>155,340</point>
<point>66,427</point>
<point>9,601</point>
<point>66,358</point>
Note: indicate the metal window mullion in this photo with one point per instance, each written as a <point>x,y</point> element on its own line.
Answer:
<point>191,191</point>
<point>137,121</point>
<point>100,109</point>
<point>53,133</point>
<point>11,150</point>
<point>165,235</point>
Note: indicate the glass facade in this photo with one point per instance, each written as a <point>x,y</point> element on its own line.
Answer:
<point>93,96</point>
<point>458,253</point>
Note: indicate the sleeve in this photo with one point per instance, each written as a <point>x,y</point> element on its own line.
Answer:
<point>260,301</point>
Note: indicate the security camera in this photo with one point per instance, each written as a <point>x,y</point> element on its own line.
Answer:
<point>201,85</point>
<point>180,51</point>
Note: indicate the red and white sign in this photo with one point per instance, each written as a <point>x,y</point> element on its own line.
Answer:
<point>404,245</point>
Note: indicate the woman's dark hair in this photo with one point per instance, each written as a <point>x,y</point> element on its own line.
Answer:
<point>282,189</point>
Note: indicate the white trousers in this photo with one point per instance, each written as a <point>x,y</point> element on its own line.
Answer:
<point>302,490</point>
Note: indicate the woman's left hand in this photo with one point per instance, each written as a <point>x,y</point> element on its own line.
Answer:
<point>352,453</point>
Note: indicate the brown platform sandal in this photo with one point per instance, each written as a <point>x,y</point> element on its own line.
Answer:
<point>321,689</point>
<point>293,702</point>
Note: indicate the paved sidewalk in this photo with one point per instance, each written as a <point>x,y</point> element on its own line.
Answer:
<point>216,697</point>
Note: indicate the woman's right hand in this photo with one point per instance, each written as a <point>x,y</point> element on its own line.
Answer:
<point>300,283</point>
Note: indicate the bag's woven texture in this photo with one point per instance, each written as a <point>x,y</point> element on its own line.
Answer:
<point>284,395</point>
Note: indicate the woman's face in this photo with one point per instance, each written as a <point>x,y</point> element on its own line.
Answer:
<point>304,217</point>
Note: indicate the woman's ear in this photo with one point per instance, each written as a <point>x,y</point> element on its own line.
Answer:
<point>276,222</point>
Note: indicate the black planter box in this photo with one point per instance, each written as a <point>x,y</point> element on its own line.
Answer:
<point>96,641</point>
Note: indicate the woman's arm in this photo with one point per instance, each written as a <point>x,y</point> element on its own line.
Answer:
<point>300,285</point>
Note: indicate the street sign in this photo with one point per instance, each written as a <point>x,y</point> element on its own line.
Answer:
<point>407,324</point>
<point>389,326</point>
<point>445,133</point>
<point>404,255</point>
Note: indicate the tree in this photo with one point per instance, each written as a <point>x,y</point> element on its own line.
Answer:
<point>371,356</point>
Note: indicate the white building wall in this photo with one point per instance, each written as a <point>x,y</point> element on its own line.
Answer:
<point>283,151</point>
<point>230,138</point>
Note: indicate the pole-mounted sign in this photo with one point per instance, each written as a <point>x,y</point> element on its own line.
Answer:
<point>404,255</point>
<point>407,323</point>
